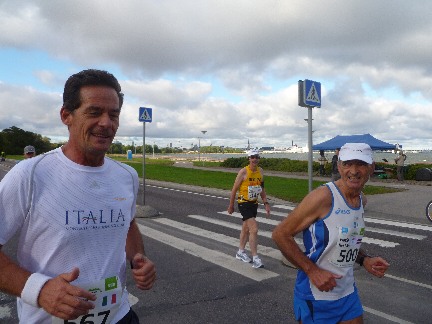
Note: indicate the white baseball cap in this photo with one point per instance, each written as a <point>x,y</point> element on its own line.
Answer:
<point>253,152</point>
<point>356,151</point>
<point>29,149</point>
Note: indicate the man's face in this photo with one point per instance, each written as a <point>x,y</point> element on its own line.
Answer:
<point>93,125</point>
<point>29,155</point>
<point>254,159</point>
<point>355,173</point>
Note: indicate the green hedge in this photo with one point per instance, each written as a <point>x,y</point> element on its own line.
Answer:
<point>287,165</point>
<point>284,165</point>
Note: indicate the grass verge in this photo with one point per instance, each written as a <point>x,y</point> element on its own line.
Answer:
<point>293,190</point>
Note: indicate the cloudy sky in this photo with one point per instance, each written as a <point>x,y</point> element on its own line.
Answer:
<point>228,67</point>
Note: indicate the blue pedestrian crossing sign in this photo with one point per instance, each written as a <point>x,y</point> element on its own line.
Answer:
<point>145,114</point>
<point>312,93</point>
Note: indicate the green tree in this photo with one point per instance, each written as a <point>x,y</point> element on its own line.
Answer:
<point>14,139</point>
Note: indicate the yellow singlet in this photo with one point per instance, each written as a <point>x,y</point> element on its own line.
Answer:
<point>250,188</point>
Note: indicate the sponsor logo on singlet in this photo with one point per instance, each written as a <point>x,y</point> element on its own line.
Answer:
<point>342,211</point>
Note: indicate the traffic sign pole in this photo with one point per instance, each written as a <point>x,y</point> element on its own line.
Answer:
<point>145,116</point>
<point>309,96</point>
<point>143,165</point>
<point>310,155</point>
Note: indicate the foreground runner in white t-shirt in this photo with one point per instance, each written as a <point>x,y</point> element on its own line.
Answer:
<point>74,211</point>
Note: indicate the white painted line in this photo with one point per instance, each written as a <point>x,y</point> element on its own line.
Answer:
<point>378,242</point>
<point>412,282</point>
<point>395,233</point>
<point>284,207</point>
<point>258,219</point>
<point>399,224</point>
<point>5,312</point>
<point>386,316</point>
<point>238,227</point>
<point>216,257</point>
<point>132,299</point>
<point>273,212</point>
<point>367,240</point>
<point>262,250</point>
<point>188,192</point>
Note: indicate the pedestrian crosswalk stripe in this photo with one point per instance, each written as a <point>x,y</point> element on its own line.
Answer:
<point>381,243</point>
<point>224,260</point>
<point>368,240</point>
<point>283,207</point>
<point>237,227</point>
<point>399,224</point>
<point>395,233</point>
<point>262,250</point>
<point>258,219</point>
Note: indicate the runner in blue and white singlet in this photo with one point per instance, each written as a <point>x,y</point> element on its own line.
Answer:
<point>333,243</point>
<point>331,220</point>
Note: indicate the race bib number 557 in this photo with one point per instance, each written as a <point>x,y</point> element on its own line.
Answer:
<point>109,293</point>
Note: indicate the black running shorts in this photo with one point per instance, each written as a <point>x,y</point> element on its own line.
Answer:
<point>248,209</point>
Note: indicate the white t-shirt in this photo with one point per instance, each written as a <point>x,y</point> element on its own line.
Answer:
<point>70,216</point>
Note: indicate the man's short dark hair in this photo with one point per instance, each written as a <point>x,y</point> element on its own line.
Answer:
<point>91,77</point>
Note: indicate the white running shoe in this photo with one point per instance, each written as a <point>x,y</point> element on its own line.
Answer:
<point>257,263</point>
<point>243,256</point>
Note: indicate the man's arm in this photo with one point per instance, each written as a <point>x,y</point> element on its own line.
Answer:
<point>264,195</point>
<point>374,265</point>
<point>239,179</point>
<point>55,295</point>
<point>12,276</point>
<point>314,206</point>
<point>143,269</point>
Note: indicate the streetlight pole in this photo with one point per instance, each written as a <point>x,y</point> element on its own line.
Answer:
<point>199,146</point>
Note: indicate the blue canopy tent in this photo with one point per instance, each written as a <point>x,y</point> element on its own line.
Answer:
<point>339,140</point>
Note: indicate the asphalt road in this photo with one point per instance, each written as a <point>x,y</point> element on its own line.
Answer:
<point>193,242</point>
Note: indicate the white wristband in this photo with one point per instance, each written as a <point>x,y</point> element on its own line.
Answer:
<point>32,288</point>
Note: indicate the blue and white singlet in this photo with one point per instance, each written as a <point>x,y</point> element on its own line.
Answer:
<point>333,243</point>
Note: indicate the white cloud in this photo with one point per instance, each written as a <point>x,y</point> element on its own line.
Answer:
<point>228,67</point>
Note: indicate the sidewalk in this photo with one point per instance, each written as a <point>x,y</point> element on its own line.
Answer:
<point>407,205</point>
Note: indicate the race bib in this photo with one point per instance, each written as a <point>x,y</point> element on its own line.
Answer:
<point>109,295</point>
<point>347,246</point>
<point>253,192</point>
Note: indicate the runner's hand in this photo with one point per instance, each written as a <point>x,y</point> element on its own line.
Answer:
<point>61,299</point>
<point>376,266</point>
<point>322,279</point>
<point>144,272</point>
<point>230,209</point>
<point>267,208</point>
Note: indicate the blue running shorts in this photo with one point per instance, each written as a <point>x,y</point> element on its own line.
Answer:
<point>328,311</point>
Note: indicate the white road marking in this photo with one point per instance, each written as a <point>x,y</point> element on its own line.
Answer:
<point>395,233</point>
<point>189,192</point>
<point>237,227</point>
<point>132,299</point>
<point>216,257</point>
<point>386,316</point>
<point>412,282</point>
<point>258,219</point>
<point>5,312</point>
<point>262,250</point>
<point>283,207</point>
<point>367,240</point>
<point>399,224</point>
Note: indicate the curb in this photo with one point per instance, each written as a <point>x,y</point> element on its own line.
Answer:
<point>146,211</point>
